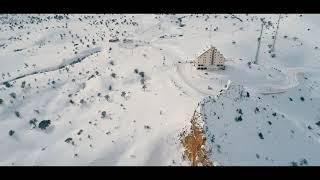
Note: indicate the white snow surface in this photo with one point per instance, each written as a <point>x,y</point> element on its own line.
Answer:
<point>60,68</point>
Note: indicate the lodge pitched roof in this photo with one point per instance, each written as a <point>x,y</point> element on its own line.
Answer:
<point>204,50</point>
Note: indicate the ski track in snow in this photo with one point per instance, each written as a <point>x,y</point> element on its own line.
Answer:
<point>66,63</point>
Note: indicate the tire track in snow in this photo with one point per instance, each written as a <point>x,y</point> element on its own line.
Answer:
<point>292,79</point>
<point>177,68</point>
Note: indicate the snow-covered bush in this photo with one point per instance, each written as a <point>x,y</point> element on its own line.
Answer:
<point>17,114</point>
<point>238,119</point>
<point>103,114</point>
<point>123,94</point>
<point>33,122</point>
<point>68,140</point>
<point>141,74</point>
<point>11,132</point>
<point>44,124</point>
<point>7,84</point>
<point>261,135</point>
<point>144,87</point>
<point>23,84</point>
<point>13,95</point>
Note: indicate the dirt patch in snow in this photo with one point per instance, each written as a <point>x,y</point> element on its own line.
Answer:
<point>194,143</point>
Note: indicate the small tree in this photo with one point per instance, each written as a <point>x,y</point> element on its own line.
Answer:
<point>1,101</point>
<point>113,75</point>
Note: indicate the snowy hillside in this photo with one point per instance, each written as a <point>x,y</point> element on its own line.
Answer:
<point>120,89</point>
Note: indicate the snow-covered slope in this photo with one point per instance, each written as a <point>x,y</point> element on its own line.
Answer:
<point>263,130</point>
<point>119,89</point>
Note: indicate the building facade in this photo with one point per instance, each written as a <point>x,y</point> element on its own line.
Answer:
<point>211,58</point>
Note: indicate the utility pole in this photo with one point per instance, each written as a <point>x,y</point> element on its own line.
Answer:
<point>259,42</point>
<point>275,36</point>
<point>210,31</point>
